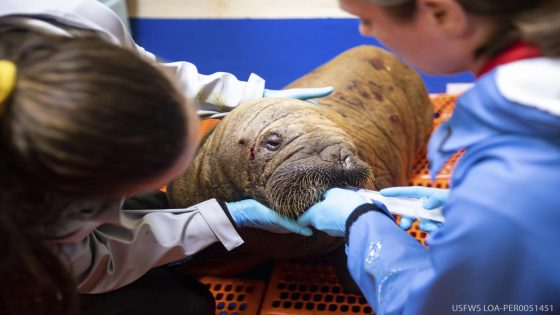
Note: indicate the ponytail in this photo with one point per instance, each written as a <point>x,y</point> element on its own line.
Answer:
<point>536,22</point>
<point>541,27</point>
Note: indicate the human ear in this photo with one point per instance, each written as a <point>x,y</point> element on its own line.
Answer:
<point>446,16</point>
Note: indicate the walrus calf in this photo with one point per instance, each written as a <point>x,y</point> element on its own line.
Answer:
<point>286,153</point>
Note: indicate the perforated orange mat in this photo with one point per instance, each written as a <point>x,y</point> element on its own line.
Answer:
<point>309,287</point>
<point>443,107</point>
<point>312,287</point>
<point>235,296</point>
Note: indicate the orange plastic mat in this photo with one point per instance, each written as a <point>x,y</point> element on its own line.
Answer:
<point>443,108</point>
<point>309,288</point>
<point>206,125</point>
<point>235,296</point>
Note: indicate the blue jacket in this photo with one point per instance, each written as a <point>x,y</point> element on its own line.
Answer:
<point>499,249</point>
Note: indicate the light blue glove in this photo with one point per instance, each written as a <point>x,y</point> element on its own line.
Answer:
<point>434,198</point>
<point>330,215</point>
<point>304,94</point>
<point>253,214</point>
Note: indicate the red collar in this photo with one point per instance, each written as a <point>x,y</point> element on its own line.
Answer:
<point>517,51</point>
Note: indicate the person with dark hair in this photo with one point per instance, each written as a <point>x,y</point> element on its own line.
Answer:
<point>498,249</point>
<point>81,111</point>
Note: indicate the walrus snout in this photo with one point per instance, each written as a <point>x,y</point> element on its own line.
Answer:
<point>339,154</point>
<point>350,162</point>
<point>302,179</point>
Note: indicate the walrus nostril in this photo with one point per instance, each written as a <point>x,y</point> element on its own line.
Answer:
<point>347,162</point>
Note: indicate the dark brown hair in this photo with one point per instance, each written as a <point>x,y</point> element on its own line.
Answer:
<point>86,119</point>
<point>534,21</point>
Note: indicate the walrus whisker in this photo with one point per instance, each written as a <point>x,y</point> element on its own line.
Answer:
<point>292,190</point>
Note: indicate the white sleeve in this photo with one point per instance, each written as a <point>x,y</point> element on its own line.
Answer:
<point>215,93</point>
<point>115,255</point>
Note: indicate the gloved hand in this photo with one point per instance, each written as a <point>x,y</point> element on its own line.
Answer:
<point>330,215</point>
<point>253,214</point>
<point>305,94</point>
<point>434,198</point>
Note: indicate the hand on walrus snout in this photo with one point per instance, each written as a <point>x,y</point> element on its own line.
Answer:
<point>253,214</point>
<point>330,215</point>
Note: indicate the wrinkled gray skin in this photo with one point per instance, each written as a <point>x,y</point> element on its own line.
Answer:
<point>284,153</point>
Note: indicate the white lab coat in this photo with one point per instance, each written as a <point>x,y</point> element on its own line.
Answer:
<point>217,93</point>
<point>111,251</point>
<point>108,252</point>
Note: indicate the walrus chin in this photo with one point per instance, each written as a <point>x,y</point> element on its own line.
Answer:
<point>292,189</point>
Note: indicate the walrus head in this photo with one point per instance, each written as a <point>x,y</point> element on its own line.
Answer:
<point>284,153</point>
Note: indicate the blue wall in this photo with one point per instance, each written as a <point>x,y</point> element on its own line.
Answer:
<point>278,50</point>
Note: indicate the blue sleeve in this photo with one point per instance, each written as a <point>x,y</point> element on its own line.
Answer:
<point>382,259</point>
<point>498,247</point>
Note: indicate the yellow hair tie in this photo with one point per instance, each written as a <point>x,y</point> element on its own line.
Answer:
<point>8,72</point>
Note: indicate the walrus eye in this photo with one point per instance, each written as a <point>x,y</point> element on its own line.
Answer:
<point>273,141</point>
